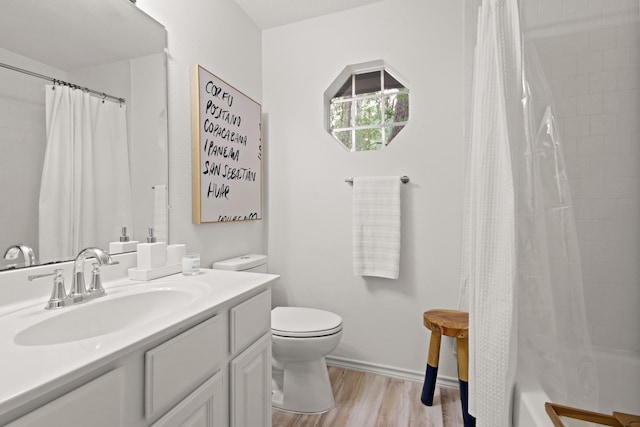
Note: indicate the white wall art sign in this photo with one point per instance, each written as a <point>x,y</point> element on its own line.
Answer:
<point>227,152</point>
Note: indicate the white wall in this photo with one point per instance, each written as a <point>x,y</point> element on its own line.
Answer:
<point>310,204</point>
<point>218,35</point>
<point>307,204</point>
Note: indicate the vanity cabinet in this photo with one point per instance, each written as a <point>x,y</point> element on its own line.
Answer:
<point>213,371</point>
<point>98,403</point>
<point>184,360</point>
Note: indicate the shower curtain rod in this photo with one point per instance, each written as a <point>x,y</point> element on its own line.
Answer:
<point>62,82</point>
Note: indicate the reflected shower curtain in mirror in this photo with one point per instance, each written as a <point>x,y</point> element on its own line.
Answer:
<point>521,272</point>
<point>85,193</point>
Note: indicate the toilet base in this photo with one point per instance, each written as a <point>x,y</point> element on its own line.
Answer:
<point>305,387</point>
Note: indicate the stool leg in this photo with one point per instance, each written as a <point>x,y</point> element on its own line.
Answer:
<point>429,385</point>
<point>462,345</point>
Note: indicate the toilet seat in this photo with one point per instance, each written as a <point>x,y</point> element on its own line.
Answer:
<point>302,322</point>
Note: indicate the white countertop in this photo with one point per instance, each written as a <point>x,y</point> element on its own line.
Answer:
<point>27,369</point>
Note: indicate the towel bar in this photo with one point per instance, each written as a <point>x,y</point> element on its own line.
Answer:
<point>404,180</point>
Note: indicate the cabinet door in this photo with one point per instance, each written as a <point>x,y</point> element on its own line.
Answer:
<point>98,403</point>
<point>202,408</point>
<point>251,385</point>
<point>174,368</point>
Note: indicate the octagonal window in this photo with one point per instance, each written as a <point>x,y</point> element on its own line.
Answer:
<point>366,107</point>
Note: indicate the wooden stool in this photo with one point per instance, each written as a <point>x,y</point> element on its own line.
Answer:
<point>450,323</point>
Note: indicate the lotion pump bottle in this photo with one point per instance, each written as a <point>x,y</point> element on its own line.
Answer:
<point>124,245</point>
<point>152,254</point>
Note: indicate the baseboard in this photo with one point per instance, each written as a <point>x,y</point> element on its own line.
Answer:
<point>388,371</point>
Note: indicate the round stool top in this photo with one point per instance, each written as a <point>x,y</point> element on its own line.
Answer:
<point>450,323</point>
<point>304,322</point>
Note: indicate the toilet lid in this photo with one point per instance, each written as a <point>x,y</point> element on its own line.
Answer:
<point>300,322</point>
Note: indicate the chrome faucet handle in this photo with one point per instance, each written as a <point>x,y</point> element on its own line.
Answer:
<point>58,296</point>
<point>95,289</point>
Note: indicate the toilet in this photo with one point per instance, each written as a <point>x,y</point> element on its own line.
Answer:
<point>301,338</point>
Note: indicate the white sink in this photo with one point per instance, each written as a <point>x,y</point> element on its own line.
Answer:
<point>106,315</point>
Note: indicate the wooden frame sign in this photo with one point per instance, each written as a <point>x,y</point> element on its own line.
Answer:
<point>226,151</point>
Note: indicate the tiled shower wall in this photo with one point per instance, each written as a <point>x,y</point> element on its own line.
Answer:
<point>590,53</point>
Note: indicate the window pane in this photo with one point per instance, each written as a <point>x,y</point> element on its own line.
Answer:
<point>345,90</point>
<point>396,108</point>
<point>340,115</point>
<point>392,132</point>
<point>368,112</point>
<point>344,136</point>
<point>390,82</point>
<point>368,83</point>
<point>369,139</point>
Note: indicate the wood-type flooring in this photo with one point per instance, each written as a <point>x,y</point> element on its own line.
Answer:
<point>368,400</point>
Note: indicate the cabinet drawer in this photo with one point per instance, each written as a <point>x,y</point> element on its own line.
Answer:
<point>175,368</point>
<point>249,320</point>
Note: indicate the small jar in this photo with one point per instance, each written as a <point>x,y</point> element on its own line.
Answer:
<point>190,264</point>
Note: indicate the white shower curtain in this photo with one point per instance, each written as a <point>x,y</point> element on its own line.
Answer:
<point>490,240</point>
<point>520,267</point>
<point>554,340</point>
<point>85,194</point>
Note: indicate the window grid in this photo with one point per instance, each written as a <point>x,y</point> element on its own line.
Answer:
<point>380,96</point>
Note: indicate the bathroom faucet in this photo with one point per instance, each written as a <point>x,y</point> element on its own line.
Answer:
<point>78,292</point>
<point>27,253</point>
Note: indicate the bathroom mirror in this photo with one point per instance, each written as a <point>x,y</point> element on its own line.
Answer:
<point>109,46</point>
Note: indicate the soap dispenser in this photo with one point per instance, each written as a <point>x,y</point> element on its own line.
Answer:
<point>152,254</point>
<point>124,245</point>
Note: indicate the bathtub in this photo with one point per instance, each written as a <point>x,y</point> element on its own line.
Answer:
<point>619,389</point>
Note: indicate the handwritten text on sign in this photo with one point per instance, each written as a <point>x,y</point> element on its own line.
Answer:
<point>229,155</point>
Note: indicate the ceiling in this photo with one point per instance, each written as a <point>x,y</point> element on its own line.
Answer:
<point>274,13</point>
<point>87,32</point>
<point>29,33</point>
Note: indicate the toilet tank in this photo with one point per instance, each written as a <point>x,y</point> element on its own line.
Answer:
<point>253,262</point>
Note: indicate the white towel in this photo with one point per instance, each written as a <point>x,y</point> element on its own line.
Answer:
<point>376,226</point>
<point>160,217</point>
